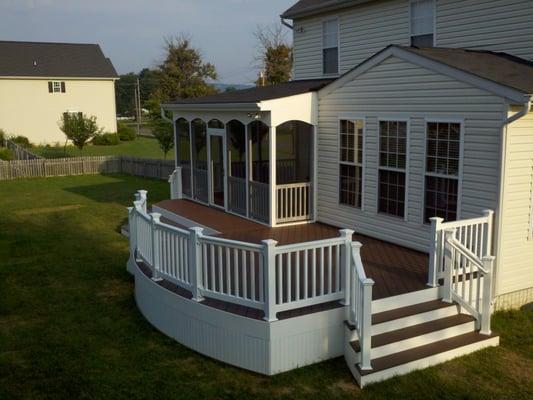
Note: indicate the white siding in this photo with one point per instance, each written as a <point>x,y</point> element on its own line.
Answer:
<point>396,87</point>
<point>500,25</point>
<point>516,268</point>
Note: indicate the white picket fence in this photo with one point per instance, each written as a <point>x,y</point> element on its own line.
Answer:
<point>262,276</point>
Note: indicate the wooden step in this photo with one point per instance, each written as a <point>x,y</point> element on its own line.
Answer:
<point>398,335</point>
<point>423,352</point>
<point>403,312</point>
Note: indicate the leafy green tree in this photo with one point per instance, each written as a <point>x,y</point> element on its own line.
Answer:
<point>164,133</point>
<point>125,94</point>
<point>78,128</point>
<point>274,57</point>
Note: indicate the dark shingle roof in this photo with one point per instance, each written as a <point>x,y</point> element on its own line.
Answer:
<point>43,59</point>
<point>498,67</point>
<point>260,93</point>
<point>309,7</point>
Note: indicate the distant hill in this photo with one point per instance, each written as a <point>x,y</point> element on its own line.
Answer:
<point>225,86</point>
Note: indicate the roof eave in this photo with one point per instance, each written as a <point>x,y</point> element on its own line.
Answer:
<point>325,7</point>
<point>212,106</point>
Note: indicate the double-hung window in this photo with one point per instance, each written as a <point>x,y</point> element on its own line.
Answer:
<point>443,153</point>
<point>392,167</point>
<point>422,24</point>
<point>330,46</point>
<point>351,162</point>
<point>56,87</point>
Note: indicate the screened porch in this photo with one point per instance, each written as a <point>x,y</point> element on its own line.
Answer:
<point>261,172</point>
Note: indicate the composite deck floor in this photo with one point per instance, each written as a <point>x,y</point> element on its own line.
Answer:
<point>395,269</point>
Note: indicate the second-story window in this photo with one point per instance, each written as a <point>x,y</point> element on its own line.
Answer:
<point>330,46</point>
<point>56,87</point>
<point>422,24</point>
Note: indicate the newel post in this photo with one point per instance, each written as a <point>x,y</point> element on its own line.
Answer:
<point>448,265</point>
<point>488,262</point>
<point>365,338</point>
<point>195,263</point>
<point>435,255</point>
<point>176,191</point>
<point>269,271</point>
<point>156,267</point>
<point>489,214</point>
<point>142,196</point>
<point>345,263</point>
<point>132,228</point>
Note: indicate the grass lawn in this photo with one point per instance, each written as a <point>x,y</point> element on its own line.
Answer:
<point>140,147</point>
<point>69,327</point>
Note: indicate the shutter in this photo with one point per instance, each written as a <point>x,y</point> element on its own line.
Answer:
<point>62,87</point>
<point>50,87</point>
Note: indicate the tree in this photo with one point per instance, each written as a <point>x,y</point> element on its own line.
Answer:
<point>182,73</point>
<point>274,56</point>
<point>125,97</point>
<point>164,133</point>
<point>78,128</point>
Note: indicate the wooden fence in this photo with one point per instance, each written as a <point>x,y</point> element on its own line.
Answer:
<point>144,167</point>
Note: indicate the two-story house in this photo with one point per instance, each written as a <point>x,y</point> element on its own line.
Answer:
<point>408,122</point>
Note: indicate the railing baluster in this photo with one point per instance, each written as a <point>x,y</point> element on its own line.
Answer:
<point>236,272</point>
<point>297,285</point>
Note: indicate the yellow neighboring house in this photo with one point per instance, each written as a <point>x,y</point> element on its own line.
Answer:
<point>41,81</point>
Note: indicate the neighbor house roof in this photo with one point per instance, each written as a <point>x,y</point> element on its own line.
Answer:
<point>44,59</point>
<point>309,7</point>
<point>259,93</point>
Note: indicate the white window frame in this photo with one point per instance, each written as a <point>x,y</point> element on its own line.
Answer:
<point>407,120</point>
<point>352,117</point>
<point>56,85</point>
<point>461,123</point>
<point>322,22</point>
<point>434,22</point>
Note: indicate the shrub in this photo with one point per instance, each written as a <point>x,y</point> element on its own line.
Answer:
<point>164,134</point>
<point>125,133</point>
<point>5,154</point>
<point>21,141</point>
<point>78,128</point>
<point>106,139</point>
<point>2,137</point>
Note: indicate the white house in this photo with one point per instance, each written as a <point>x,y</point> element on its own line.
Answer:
<point>409,127</point>
<point>41,81</point>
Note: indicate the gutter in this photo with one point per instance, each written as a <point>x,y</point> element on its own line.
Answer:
<point>503,162</point>
<point>285,23</point>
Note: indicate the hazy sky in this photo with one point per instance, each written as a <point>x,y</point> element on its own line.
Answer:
<point>131,32</point>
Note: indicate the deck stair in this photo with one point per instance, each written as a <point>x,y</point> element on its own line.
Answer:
<point>412,333</point>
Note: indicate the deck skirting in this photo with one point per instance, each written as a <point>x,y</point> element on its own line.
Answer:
<point>513,300</point>
<point>255,345</point>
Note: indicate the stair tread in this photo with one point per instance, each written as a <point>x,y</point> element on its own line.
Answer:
<point>415,330</point>
<point>418,353</point>
<point>402,312</point>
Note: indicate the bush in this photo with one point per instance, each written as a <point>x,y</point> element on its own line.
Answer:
<point>125,133</point>
<point>21,141</point>
<point>5,154</point>
<point>106,139</point>
<point>2,137</point>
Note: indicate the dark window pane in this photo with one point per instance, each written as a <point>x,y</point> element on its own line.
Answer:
<point>422,40</point>
<point>441,198</point>
<point>350,180</point>
<point>393,143</point>
<point>330,60</point>
<point>392,193</point>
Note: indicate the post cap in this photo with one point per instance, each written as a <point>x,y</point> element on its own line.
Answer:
<point>197,230</point>
<point>155,216</point>
<point>346,232</point>
<point>269,242</point>
<point>137,204</point>
<point>357,245</point>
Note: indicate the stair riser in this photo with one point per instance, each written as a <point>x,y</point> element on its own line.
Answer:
<point>405,300</point>
<point>414,320</point>
<point>425,362</point>
<point>422,340</point>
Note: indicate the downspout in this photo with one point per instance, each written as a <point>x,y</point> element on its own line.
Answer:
<point>503,161</point>
<point>164,117</point>
<point>283,22</point>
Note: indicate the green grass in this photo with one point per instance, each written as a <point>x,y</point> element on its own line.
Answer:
<point>140,147</point>
<point>69,327</point>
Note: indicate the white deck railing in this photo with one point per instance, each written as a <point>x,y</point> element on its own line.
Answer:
<point>361,304</point>
<point>262,276</point>
<point>294,202</point>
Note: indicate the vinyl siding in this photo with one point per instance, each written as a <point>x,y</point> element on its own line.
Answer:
<point>398,88</point>
<point>516,269</point>
<point>499,25</point>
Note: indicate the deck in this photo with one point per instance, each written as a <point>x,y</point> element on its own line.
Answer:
<point>395,269</point>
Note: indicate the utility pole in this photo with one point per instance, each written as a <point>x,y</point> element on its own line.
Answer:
<point>138,105</point>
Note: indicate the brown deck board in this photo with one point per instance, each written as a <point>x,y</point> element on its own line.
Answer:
<point>394,269</point>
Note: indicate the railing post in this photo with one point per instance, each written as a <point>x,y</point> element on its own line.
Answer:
<point>141,196</point>
<point>488,262</point>
<point>489,214</point>
<point>156,267</point>
<point>137,205</point>
<point>195,263</point>
<point>365,334</point>
<point>448,265</point>
<point>435,255</point>
<point>345,263</point>
<point>132,227</point>
<point>175,180</point>
<point>269,270</point>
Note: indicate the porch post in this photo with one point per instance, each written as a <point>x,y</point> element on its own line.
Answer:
<point>435,253</point>
<point>488,262</point>
<point>272,179</point>
<point>314,183</point>
<point>156,267</point>
<point>448,266</point>
<point>489,214</point>
<point>345,263</point>
<point>132,227</point>
<point>195,263</point>
<point>269,271</point>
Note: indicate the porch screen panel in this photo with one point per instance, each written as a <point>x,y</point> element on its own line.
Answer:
<point>236,147</point>
<point>259,187</point>
<point>392,167</point>
<point>183,154</point>
<point>443,149</point>
<point>351,162</point>
<point>199,161</point>
<point>294,141</point>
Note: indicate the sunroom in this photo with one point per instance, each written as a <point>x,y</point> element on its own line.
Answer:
<point>250,152</point>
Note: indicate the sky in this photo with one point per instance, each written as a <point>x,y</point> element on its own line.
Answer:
<point>131,32</point>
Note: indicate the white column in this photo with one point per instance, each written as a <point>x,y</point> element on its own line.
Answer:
<point>269,270</point>
<point>365,338</point>
<point>448,266</point>
<point>272,179</point>
<point>435,254</point>
<point>489,214</point>
<point>488,262</point>
<point>345,263</point>
<point>195,263</point>
<point>314,183</point>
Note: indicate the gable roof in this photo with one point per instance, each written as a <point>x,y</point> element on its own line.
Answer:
<point>46,59</point>
<point>259,93</point>
<point>309,7</point>
<point>500,73</point>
